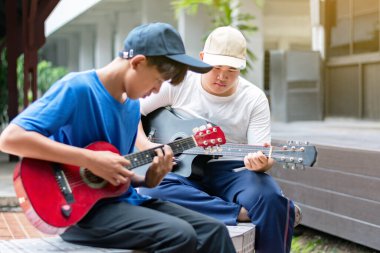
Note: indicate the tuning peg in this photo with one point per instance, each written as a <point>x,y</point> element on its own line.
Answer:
<point>300,160</point>
<point>208,125</point>
<point>285,147</point>
<point>291,159</point>
<point>205,143</point>
<point>213,141</point>
<point>293,167</point>
<point>302,149</point>
<point>202,127</point>
<point>220,140</point>
<point>195,130</point>
<point>293,148</point>
<point>290,143</point>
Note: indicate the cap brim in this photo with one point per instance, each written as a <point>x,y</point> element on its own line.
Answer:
<point>223,60</point>
<point>194,64</point>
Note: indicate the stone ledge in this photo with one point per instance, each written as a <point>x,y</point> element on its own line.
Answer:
<point>243,237</point>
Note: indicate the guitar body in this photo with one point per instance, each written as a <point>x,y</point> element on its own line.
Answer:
<point>40,188</point>
<point>168,127</point>
<point>163,125</point>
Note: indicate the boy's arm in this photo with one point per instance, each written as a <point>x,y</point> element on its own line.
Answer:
<point>142,141</point>
<point>259,134</point>
<point>105,164</point>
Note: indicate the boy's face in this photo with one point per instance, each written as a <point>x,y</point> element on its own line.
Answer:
<point>221,80</point>
<point>143,80</point>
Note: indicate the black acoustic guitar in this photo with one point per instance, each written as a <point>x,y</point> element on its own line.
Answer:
<point>164,125</point>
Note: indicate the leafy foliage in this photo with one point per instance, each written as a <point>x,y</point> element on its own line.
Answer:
<point>47,74</point>
<point>3,88</point>
<point>224,13</point>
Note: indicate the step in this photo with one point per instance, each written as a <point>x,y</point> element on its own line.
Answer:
<point>243,237</point>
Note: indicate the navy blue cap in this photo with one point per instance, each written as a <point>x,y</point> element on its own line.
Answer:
<point>160,39</point>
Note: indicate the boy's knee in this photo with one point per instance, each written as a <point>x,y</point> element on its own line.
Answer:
<point>184,233</point>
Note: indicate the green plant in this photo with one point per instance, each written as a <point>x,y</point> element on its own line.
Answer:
<point>47,74</point>
<point>224,12</point>
<point>3,87</point>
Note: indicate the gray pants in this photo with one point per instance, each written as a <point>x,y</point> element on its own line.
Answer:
<point>155,226</point>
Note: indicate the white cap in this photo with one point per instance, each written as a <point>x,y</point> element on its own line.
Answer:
<point>225,46</point>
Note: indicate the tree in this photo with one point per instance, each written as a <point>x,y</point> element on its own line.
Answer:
<point>224,13</point>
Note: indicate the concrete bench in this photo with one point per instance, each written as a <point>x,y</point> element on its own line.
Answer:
<point>243,237</point>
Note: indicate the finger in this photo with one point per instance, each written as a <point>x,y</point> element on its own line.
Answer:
<point>246,162</point>
<point>252,158</point>
<point>159,152</point>
<point>125,172</point>
<point>168,151</point>
<point>260,157</point>
<point>121,179</point>
<point>266,144</point>
<point>114,182</point>
<point>124,162</point>
<point>155,162</point>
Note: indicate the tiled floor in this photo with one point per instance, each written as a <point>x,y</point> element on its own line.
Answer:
<point>14,225</point>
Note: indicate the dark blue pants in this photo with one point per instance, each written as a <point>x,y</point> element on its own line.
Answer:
<point>222,192</point>
<point>155,226</point>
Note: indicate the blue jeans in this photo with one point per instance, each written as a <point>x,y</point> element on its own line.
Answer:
<point>222,192</point>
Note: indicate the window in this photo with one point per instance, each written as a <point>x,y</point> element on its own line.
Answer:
<point>352,27</point>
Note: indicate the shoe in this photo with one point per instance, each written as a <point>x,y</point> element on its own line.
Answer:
<point>297,215</point>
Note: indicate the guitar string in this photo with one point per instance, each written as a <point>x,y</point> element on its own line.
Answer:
<point>176,145</point>
<point>243,149</point>
<point>276,157</point>
<point>246,147</point>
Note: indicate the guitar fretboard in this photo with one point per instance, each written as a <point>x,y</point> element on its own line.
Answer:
<point>229,149</point>
<point>146,156</point>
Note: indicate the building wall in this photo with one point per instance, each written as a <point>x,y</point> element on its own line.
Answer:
<point>286,25</point>
<point>96,35</point>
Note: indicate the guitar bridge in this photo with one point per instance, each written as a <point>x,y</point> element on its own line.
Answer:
<point>65,188</point>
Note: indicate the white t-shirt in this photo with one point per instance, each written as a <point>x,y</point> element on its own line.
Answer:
<point>244,116</point>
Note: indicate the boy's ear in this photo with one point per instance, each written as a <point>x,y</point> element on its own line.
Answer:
<point>137,60</point>
<point>201,55</point>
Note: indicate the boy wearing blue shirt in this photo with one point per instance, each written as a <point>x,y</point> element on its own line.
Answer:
<point>102,105</point>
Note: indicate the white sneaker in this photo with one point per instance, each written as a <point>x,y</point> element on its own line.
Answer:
<point>297,215</point>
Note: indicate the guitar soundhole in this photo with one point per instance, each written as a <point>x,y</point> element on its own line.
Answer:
<point>91,179</point>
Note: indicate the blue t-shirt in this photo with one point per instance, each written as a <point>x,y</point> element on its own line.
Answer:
<point>78,110</point>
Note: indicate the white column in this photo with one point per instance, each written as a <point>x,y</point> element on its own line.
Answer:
<point>124,23</point>
<point>157,11</point>
<point>255,42</point>
<point>73,51</point>
<point>86,52</point>
<point>194,30</point>
<point>317,29</point>
<point>103,41</point>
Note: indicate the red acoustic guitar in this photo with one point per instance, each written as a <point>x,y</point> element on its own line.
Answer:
<point>56,196</point>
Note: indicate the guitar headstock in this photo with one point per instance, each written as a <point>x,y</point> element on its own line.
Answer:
<point>295,155</point>
<point>208,136</point>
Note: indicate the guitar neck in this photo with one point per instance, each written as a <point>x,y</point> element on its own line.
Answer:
<point>235,150</point>
<point>144,157</point>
